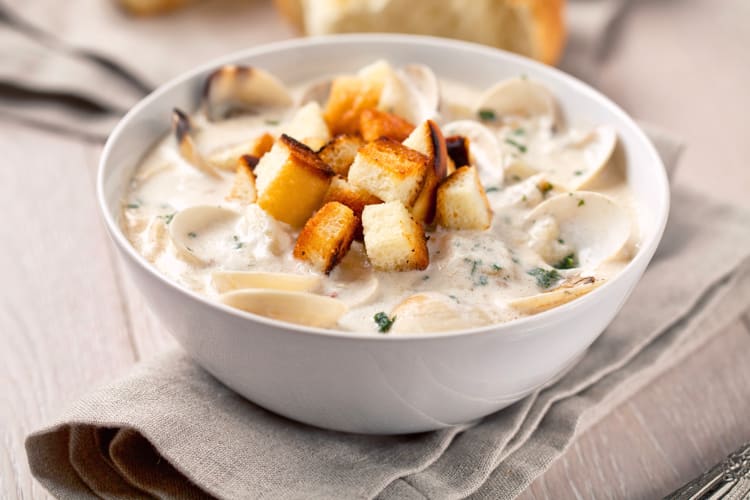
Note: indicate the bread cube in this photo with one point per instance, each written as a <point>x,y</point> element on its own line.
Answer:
<point>374,124</point>
<point>308,126</point>
<point>394,241</point>
<point>227,158</point>
<point>349,96</point>
<point>389,170</point>
<point>291,181</point>
<point>326,237</point>
<point>243,189</point>
<point>340,151</point>
<point>428,139</point>
<point>462,202</point>
<point>353,197</point>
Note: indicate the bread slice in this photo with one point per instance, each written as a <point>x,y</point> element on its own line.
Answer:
<point>394,241</point>
<point>308,126</point>
<point>291,181</point>
<point>389,170</point>
<point>428,139</point>
<point>374,124</point>
<point>243,189</point>
<point>227,158</point>
<point>462,202</point>
<point>534,28</point>
<point>326,237</point>
<point>349,96</point>
<point>340,151</point>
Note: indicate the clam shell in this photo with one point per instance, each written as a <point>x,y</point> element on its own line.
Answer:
<point>519,97</point>
<point>569,290</point>
<point>301,308</point>
<point>231,90</point>
<point>227,281</point>
<point>198,220</point>
<point>484,150</point>
<point>183,129</point>
<point>435,312</point>
<point>595,226</point>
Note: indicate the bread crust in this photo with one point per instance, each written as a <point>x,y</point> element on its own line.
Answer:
<point>327,236</point>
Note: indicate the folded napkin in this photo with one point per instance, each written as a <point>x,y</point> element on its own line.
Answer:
<point>171,430</point>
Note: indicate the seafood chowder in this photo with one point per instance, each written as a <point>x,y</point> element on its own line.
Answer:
<point>382,202</point>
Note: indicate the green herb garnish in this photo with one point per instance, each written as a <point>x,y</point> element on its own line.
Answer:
<point>486,114</point>
<point>581,203</point>
<point>133,205</point>
<point>520,146</point>
<point>482,280</point>
<point>578,172</point>
<point>491,189</point>
<point>383,321</point>
<point>192,234</point>
<point>237,243</point>
<point>519,131</point>
<point>545,278</point>
<point>270,121</point>
<point>567,262</point>
<point>168,217</point>
<point>545,187</point>
<point>497,267</point>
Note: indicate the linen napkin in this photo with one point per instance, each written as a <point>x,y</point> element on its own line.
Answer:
<point>170,430</point>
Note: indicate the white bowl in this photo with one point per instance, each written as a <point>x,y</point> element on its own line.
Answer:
<point>383,384</point>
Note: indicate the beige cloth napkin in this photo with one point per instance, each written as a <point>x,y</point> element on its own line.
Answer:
<point>170,426</point>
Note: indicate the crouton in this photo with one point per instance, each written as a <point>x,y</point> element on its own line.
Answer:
<point>394,241</point>
<point>243,189</point>
<point>349,96</point>
<point>308,126</point>
<point>462,202</point>
<point>326,237</point>
<point>291,181</point>
<point>353,197</point>
<point>227,158</point>
<point>389,170</point>
<point>374,124</point>
<point>428,140</point>
<point>340,151</point>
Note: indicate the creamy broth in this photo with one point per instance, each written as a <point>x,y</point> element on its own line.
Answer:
<point>477,273</point>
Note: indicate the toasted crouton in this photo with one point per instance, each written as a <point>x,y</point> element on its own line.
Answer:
<point>462,202</point>
<point>349,96</point>
<point>326,237</point>
<point>353,197</point>
<point>394,241</point>
<point>308,126</point>
<point>291,181</point>
<point>374,124</point>
<point>227,158</point>
<point>389,170</point>
<point>428,140</point>
<point>340,151</point>
<point>243,189</point>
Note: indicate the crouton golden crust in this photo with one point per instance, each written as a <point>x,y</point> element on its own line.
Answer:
<point>353,197</point>
<point>462,202</point>
<point>243,189</point>
<point>374,124</point>
<point>340,151</point>
<point>306,157</point>
<point>428,139</point>
<point>394,241</point>
<point>349,96</point>
<point>327,236</point>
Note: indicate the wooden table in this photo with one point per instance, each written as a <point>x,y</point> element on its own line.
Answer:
<point>70,319</point>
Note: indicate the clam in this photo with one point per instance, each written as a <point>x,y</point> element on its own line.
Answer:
<point>354,282</point>
<point>193,231</point>
<point>301,308</point>
<point>420,89</point>
<point>567,291</point>
<point>231,90</point>
<point>435,312</point>
<point>227,281</point>
<point>591,225</point>
<point>484,150</point>
<point>518,97</point>
<point>183,128</point>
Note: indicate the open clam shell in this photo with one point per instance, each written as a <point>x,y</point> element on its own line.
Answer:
<point>484,150</point>
<point>435,312</point>
<point>182,128</point>
<point>232,90</point>
<point>592,225</point>
<point>301,308</point>
<point>518,97</point>
<point>569,290</point>
<point>191,231</point>
<point>227,281</point>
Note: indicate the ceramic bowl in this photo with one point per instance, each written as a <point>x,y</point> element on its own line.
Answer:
<point>383,384</point>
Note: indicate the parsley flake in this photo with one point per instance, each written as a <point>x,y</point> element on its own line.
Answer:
<point>168,217</point>
<point>521,147</point>
<point>133,205</point>
<point>270,121</point>
<point>545,278</point>
<point>486,114</point>
<point>492,189</point>
<point>581,203</point>
<point>383,321</point>
<point>567,262</point>
<point>192,234</point>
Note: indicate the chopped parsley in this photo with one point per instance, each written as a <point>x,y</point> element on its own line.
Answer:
<point>516,177</point>
<point>545,187</point>
<point>237,243</point>
<point>486,114</point>
<point>383,321</point>
<point>561,241</point>
<point>192,234</point>
<point>497,267</point>
<point>270,121</point>
<point>492,189</point>
<point>475,263</point>
<point>425,277</point>
<point>519,131</point>
<point>168,217</point>
<point>454,298</point>
<point>567,262</point>
<point>482,280</point>
<point>578,172</point>
<point>581,203</point>
<point>524,198</point>
<point>133,205</point>
<point>545,278</point>
<point>518,145</point>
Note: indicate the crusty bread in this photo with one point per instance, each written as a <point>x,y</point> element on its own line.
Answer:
<point>374,124</point>
<point>326,237</point>
<point>243,189</point>
<point>389,170</point>
<point>353,197</point>
<point>340,151</point>
<point>394,241</point>
<point>534,28</point>
<point>291,181</point>
<point>462,202</point>
<point>349,96</point>
<point>428,139</point>
<point>227,158</point>
<point>308,126</point>
<point>152,7</point>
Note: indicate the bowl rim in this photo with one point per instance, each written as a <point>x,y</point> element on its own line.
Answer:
<point>520,327</point>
